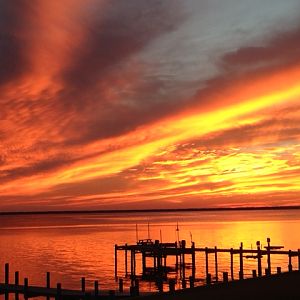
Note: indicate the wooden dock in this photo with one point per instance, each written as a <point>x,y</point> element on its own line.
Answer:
<point>158,252</point>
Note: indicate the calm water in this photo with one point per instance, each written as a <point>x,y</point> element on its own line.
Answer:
<point>72,246</point>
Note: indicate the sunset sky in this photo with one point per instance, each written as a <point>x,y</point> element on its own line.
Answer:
<point>124,104</point>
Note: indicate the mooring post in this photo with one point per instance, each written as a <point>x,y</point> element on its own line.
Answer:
<point>241,273</point>
<point>137,287</point>
<point>278,270</point>
<point>131,263</point>
<point>225,277</point>
<point>299,259</point>
<point>216,263</point>
<point>183,283</point>
<point>96,288</point>
<point>192,281</point>
<point>206,261</point>
<point>25,288</point>
<point>172,285</point>
<point>134,263</point>
<point>193,260</point>
<point>269,256</point>
<point>144,262</point>
<point>254,275</point>
<point>58,291</point>
<point>208,279</point>
<point>121,287</point>
<point>116,261</point>
<point>231,264</point>
<point>176,263</point>
<point>83,284</point>
<point>290,261</point>
<point>48,283</point>
<point>16,283</point>
<point>259,269</point>
<point>183,243</point>
<point>6,272</point>
<point>126,261</point>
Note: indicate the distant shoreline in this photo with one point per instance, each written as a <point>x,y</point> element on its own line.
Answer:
<point>149,210</point>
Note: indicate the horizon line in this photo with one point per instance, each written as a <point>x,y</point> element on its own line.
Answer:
<point>121,211</point>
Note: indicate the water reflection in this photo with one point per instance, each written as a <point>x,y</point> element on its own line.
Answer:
<point>72,246</point>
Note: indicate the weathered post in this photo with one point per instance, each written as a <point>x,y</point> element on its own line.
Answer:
<point>206,261</point>
<point>299,259</point>
<point>25,288</point>
<point>48,283</point>
<point>216,263</point>
<point>208,279</point>
<point>225,277</point>
<point>269,256</point>
<point>193,260</point>
<point>176,263</point>
<point>16,283</point>
<point>290,261</point>
<point>183,243</point>
<point>278,270</point>
<point>231,263</point>
<point>58,291</point>
<point>192,281</point>
<point>144,262</point>
<point>183,284</point>
<point>137,287</point>
<point>6,272</point>
<point>172,285</point>
<point>259,269</point>
<point>116,261</point>
<point>241,273</point>
<point>96,288</point>
<point>126,266</point>
<point>254,275</point>
<point>83,284</point>
<point>121,286</point>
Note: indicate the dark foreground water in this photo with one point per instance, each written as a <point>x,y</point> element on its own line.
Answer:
<point>74,245</point>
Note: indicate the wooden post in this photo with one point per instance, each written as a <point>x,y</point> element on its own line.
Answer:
<point>83,284</point>
<point>241,273</point>
<point>290,261</point>
<point>216,263</point>
<point>144,262</point>
<point>96,287</point>
<point>183,243</point>
<point>172,285</point>
<point>208,279</point>
<point>25,288</point>
<point>6,272</point>
<point>259,269</point>
<point>193,260</point>
<point>231,263</point>
<point>192,282</point>
<point>269,256</point>
<point>176,263</point>
<point>16,283</point>
<point>299,259</point>
<point>134,263</point>
<point>225,277</point>
<point>254,275</point>
<point>58,291</point>
<point>131,264</point>
<point>121,288</point>
<point>48,283</point>
<point>126,255</point>
<point>278,270</point>
<point>206,261</point>
<point>137,287</point>
<point>116,261</point>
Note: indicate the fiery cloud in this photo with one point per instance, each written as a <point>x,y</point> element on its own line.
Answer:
<point>94,114</point>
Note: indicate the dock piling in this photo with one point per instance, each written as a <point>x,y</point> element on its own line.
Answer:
<point>254,275</point>
<point>259,268</point>
<point>241,273</point>
<point>231,264</point>
<point>96,288</point>
<point>121,287</point>
<point>25,288</point>
<point>225,277</point>
<point>58,291</point>
<point>83,284</point>
<point>269,256</point>
<point>216,263</point>
<point>6,273</point>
